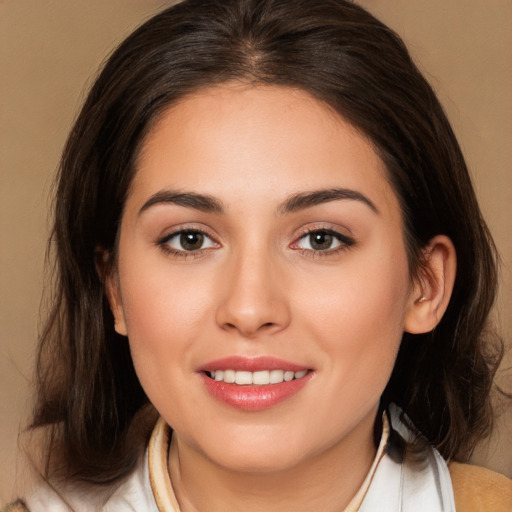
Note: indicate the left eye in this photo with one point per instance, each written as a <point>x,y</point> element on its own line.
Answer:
<point>189,240</point>
<point>322,240</point>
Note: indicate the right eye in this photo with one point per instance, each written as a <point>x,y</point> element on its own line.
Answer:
<point>187,241</point>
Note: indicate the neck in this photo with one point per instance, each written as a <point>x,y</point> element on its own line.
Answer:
<point>327,481</point>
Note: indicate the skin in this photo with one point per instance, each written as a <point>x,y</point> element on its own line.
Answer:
<point>257,288</point>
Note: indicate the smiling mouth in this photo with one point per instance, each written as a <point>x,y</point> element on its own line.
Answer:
<point>257,384</point>
<point>259,378</point>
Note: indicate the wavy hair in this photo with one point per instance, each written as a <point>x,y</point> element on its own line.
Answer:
<point>88,393</point>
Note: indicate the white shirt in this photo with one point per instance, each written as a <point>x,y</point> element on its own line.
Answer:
<point>397,481</point>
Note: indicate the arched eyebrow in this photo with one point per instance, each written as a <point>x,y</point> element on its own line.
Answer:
<point>294,203</point>
<point>202,202</point>
<point>304,200</point>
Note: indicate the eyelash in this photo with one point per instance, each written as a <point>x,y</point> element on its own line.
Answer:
<point>344,241</point>
<point>163,244</point>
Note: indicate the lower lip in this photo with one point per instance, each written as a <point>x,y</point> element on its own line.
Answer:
<point>254,398</point>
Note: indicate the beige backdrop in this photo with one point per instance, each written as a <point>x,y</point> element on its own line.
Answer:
<point>50,48</point>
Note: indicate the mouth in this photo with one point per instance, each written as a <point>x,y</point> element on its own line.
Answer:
<point>254,384</point>
<point>259,378</point>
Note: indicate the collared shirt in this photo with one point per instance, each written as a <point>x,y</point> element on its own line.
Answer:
<point>162,487</point>
<point>397,480</point>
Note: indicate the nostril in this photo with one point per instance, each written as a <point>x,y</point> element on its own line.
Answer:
<point>249,330</point>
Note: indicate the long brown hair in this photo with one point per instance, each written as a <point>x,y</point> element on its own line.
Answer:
<point>88,392</point>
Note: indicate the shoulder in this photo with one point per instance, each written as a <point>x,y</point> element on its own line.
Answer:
<point>478,489</point>
<point>132,493</point>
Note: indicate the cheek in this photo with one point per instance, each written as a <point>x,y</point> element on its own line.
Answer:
<point>157,293</point>
<point>164,313</point>
<point>364,289</point>
<point>357,312</point>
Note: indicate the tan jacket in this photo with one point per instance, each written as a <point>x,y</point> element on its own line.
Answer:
<point>480,490</point>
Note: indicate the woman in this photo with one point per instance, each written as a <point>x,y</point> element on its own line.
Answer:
<point>266,236</point>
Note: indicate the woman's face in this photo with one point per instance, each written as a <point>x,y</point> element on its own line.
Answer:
<point>261,242</point>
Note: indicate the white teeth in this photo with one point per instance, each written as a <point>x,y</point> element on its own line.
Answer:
<point>260,378</point>
<point>229,376</point>
<point>288,376</point>
<point>276,376</point>
<point>243,378</point>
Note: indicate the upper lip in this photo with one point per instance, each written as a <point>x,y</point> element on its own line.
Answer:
<point>252,364</point>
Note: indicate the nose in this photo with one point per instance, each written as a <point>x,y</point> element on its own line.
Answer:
<point>253,299</point>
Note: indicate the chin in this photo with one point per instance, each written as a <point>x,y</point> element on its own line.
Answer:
<point>256,462</point>
<point>253,453</point>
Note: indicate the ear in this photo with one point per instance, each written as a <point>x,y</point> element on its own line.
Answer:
<point>108,275</point>
<point>433,287</point>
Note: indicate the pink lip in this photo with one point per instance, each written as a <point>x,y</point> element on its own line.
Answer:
<point>251,397</point>
<point>252,364</point>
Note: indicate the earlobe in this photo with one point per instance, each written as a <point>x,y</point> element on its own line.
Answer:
<point>108,276</point>
<point>116,305</point>
<point>433,288</point>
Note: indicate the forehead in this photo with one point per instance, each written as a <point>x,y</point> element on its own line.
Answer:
<point>245,139</point>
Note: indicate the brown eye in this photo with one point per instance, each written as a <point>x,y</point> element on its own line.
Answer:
<point>191,240</point>
<point>321,241</point>
<point>187,240</point>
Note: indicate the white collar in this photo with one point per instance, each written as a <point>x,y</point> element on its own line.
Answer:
<point>158,450</point>
<point>396,480</point>
<point>408,480</point>
<point>162,487</point>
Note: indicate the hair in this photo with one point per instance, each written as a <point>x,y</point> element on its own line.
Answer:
<point>88,393</point>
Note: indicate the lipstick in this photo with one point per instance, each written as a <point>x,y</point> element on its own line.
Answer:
<point>254,384</point>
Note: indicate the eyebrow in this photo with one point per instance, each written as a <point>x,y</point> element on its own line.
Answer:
<point>199,202</point>
<point>294,203</point>
<point>301,201</point>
